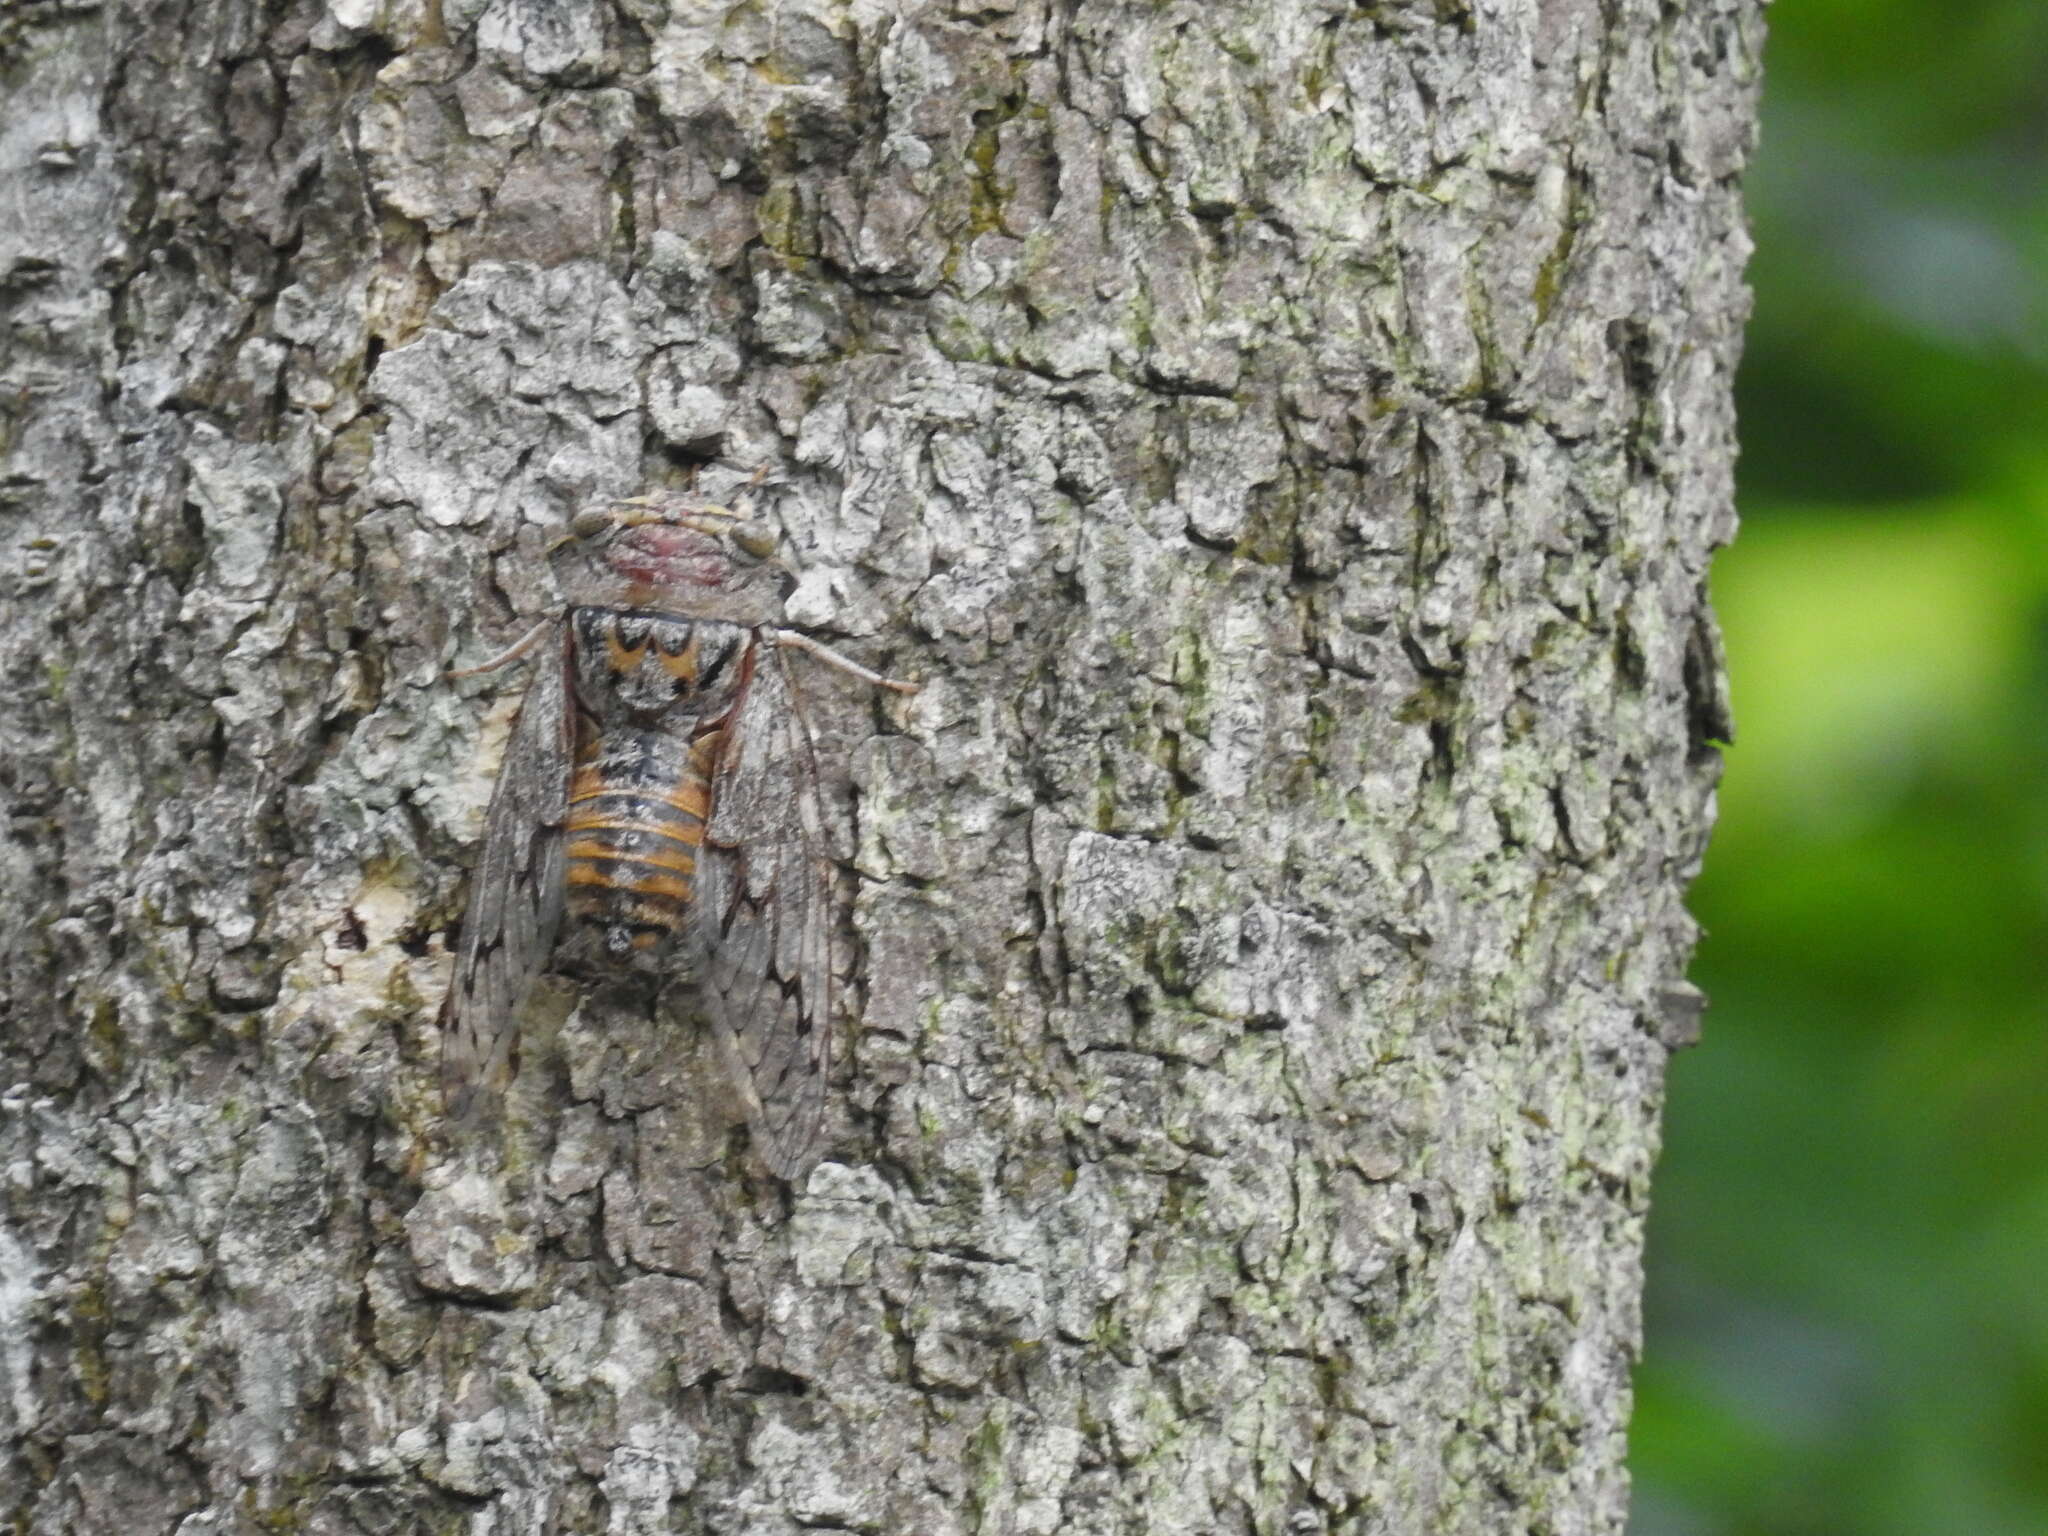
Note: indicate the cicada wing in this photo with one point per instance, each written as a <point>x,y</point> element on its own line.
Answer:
<point>516,894</point>
<point>764,916</point>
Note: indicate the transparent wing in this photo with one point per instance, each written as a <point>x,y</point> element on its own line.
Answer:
<point>516,894</point>
<point>764,915</point>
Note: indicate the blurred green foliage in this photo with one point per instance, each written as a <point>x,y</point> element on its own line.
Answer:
<point>1848,1293</point>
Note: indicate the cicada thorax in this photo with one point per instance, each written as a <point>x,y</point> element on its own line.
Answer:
<point>654,694</point>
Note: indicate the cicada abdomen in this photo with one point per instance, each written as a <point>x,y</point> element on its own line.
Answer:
<point>657,813</point>
<point>654,693</point>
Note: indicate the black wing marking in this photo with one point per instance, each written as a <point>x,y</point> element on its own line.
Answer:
<point>517,892</point>
<point>764,917</point>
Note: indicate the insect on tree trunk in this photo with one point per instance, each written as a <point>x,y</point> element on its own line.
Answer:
<point>1284,439</point>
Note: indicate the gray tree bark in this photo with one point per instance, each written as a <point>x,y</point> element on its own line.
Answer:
<point>1286,439</point>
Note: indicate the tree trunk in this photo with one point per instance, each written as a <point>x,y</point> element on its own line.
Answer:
<point>1286,440</point>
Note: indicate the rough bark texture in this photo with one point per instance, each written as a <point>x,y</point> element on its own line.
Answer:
<point>1285,437</point>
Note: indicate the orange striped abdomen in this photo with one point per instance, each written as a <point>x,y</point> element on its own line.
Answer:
<point>637,805</point>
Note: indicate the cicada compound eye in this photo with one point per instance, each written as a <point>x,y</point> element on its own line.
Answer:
<point>755,539</point>
<point>590,522</point>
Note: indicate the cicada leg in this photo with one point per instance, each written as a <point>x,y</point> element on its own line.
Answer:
<point>802,642</point>
<point>525,643</point>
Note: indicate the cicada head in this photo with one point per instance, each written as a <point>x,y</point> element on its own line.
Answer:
<point>675,552</point>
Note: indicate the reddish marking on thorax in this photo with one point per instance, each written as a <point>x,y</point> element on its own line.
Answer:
<point>664,558</point>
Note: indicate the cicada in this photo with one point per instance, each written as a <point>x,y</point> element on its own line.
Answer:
<point>657,814</point>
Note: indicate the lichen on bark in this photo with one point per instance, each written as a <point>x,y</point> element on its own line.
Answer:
<point>1285,439</point>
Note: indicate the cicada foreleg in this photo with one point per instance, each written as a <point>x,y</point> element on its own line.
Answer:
<point>797,640</point>
<point>518,650</point>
